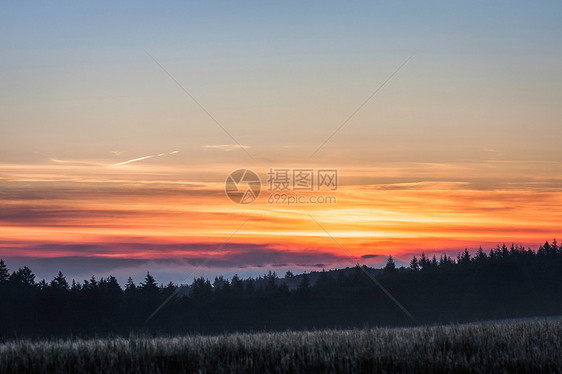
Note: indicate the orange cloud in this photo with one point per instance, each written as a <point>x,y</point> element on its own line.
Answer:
<point>70,209</point>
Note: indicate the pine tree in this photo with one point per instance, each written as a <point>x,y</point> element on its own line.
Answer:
<point>443,260</point>
<point>271,279</point>
<point>130,287</point>
<point>465,258</point>
<point>390,266</point>
<point>424,262</point>
<point>169,289</point>
<point>75,286</point>
<point>93,283</point>
<point>505,251</point>
<point>480,257</point>
<point>201,288</point>
<point>447,260</point>
<point>434,262</point>
<point>59,282</point>
<point>23,276</point>
<point>220,283</point>
<point>236,283</point>
<point>414,266</point>
<point>149,282</point>
<point>149,287</point>
<point>4,272</point>
<point>111,286</point>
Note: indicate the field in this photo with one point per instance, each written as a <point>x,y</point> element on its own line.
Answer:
<point>521,346</point>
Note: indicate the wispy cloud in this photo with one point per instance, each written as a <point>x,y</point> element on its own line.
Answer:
<point>225,147</point>
<point>74,162</point>
<point>231,255</point>
<point>144,158</point>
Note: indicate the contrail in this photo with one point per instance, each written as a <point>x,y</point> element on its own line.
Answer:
<point>143,158</point>
<point>134,160</point>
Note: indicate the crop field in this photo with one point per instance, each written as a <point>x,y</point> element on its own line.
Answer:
<point>521,346</point>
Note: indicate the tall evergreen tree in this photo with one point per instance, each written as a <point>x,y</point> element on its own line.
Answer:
<point>237,284</point>
<point>424,262</point>
<point>414,265</point>
<point>149,290</point>
<point>4,272</point>
<point>390,266</point>
<point>169,290</point>
<point>270,279</point>
<point>59,282</point>
<point>23,276</point>
<point>92,284</point>
<point>130,286</point>
<point>480,257</point>
<point>434,263</point>
<point>75,286</point>
<point>111,286</point>
<point>149,283</point>
<point>464,259</point>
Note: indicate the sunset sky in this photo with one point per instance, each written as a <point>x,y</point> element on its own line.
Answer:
<point>108,167</point>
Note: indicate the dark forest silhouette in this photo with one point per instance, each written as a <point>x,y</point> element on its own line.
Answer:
<point>506,282</point>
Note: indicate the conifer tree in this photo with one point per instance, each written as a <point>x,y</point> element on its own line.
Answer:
<point>59,282</point>
<point>414,265</point>
<point>390,266</point>
<point>4,272</point>
<point>24,276</point>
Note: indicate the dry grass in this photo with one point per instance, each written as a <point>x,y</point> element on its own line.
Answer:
<point>508,347</point>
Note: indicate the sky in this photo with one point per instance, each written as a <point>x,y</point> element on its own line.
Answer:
<point>120,123</point>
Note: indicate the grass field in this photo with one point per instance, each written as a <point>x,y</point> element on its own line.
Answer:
<point>520,346</point>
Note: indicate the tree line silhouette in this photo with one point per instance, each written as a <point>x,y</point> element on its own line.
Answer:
<point>506,282</point>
